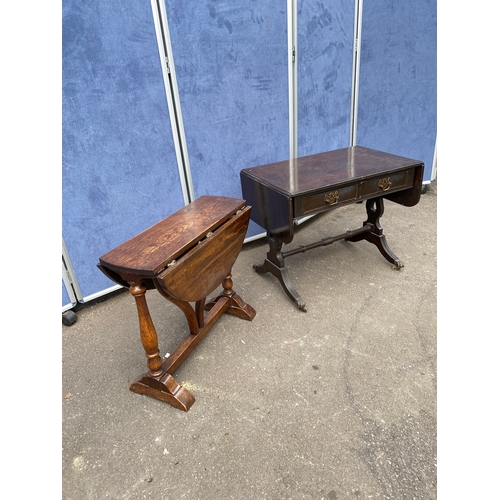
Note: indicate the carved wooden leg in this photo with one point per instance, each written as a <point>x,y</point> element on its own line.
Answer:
<point>275,264</point>
<point>156,383</point>
<point>237,306</point>
<point>375,210</point>
<point>149,338</point>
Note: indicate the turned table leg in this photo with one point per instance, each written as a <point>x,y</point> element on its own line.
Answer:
<point>157,382</point>
<point>236,305</point>
<point>149,338</point>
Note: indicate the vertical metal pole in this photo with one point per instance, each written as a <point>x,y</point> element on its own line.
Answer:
<point>173,100</point>
<point>69,277</point>
<point>434,163</point>
<point>358,15</point>
<point>292,77</point>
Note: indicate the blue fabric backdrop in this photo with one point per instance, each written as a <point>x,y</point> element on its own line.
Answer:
<point>119,171</point>
<point>398,79</point>
<point>232,72</point>
<point>325,43</point>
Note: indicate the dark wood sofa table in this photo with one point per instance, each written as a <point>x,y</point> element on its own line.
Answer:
<point>185,257</point>
<point>282,192</point>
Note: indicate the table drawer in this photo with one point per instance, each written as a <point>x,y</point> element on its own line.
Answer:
<point>325,199</point>
<point>386,183</point>
<point>358,190</point>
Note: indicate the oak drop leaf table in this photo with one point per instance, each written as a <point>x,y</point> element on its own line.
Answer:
<point>283,192</point>
<point>185,257</point>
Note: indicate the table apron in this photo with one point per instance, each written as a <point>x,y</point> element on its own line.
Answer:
<point>335,196</point>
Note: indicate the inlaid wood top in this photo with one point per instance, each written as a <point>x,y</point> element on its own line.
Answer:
<point>149,252</point>
<point>310,173</point>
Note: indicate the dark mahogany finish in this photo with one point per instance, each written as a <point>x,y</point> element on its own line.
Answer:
<point>284,191</point>
<point>185,257</point>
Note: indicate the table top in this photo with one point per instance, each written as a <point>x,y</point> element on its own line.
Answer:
<point>149,252</point>
<point>310,173</point>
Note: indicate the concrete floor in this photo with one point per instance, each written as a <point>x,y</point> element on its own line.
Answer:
<point>335,403</point>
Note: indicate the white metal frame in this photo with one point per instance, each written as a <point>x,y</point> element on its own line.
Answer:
<point>292,78</point>
<point>434,163</point>
<point>72,286</point>
<point>173,100</point>
<point>69,279</point>
<point>358,17</point>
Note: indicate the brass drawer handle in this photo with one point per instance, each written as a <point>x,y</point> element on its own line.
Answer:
<point>332,198</point>
<point>384,184</point>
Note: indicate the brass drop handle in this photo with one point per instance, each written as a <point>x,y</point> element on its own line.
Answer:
<point>384,184</point>
<point>332,198</point>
